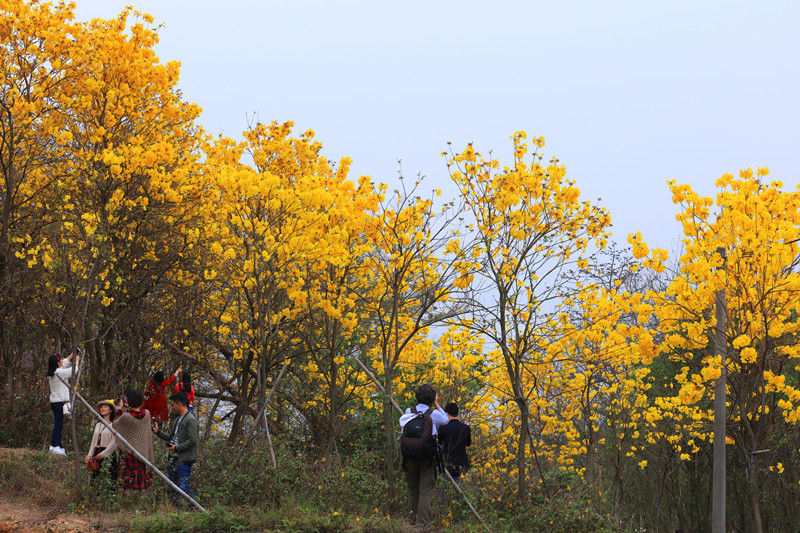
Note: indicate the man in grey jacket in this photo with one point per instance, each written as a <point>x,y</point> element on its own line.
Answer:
<point>182,443</point>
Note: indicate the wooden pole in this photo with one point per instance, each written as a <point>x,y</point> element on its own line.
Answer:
<point>446,473</point>
<point>261,413</point>
<point>134,450</point>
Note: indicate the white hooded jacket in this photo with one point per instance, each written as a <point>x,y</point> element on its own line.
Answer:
<point>58,391</point>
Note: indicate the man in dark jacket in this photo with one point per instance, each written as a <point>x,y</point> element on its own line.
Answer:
<point>454,437</point>
<point>182,443</point>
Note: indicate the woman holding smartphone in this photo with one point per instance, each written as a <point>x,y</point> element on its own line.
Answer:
<point>58,367</point>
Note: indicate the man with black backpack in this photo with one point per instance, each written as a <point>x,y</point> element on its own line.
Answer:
<point>418,446</point>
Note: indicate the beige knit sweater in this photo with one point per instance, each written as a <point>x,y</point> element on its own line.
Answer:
<point>138,433</point>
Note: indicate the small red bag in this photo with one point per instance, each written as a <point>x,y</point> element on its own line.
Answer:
<point>93,465</point>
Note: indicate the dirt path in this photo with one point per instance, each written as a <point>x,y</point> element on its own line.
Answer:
<point>35,489</point>
<point>25,518</point>
<point>33,496</point>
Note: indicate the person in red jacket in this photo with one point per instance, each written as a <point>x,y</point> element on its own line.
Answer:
<point>185,386</point>
<point>155,395</point>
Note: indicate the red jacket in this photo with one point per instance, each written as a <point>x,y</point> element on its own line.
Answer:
<point>189,394</point>
<point>155,399</point>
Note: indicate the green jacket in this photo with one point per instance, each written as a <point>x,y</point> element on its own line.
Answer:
<point>188,438</point>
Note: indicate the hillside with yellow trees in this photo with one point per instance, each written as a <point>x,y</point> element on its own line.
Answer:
<point>585,370</point>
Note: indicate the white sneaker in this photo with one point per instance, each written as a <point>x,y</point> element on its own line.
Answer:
<point>58,450</point>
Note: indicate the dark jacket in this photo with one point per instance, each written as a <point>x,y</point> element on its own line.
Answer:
<point>188,438</point>
<point>454,437</point>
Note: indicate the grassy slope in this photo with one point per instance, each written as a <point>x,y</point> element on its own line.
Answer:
<point>37,496</point>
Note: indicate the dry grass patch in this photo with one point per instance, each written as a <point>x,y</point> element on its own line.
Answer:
<point>36,477</point>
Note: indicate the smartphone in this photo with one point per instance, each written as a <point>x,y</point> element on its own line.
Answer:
<point>124,400</point>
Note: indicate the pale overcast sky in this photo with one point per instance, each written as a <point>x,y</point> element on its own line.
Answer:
<point>627,94</point>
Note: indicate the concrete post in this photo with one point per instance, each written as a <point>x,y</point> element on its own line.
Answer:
<point>719,462</point>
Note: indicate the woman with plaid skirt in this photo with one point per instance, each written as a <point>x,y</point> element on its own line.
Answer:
<point>135,427</point>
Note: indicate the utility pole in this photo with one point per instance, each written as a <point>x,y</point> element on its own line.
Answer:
<point>719,467</point>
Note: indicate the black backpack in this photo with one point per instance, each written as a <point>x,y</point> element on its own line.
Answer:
<point>416,442</point>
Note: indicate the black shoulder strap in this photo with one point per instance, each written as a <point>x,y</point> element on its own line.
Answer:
<point>414,409</point>
<point>429,411</point>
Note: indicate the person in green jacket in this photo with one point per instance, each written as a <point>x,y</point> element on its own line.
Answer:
<point>182,443</point>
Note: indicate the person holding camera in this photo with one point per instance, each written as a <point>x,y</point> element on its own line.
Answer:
<point>182,442</point>
<point>59,367</point>
<point>185,386</point>
<point>418,445</point>
<point>133,424</point>
<point>155,395</point>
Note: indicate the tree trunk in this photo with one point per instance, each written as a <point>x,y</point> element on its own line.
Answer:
<point>333,399</point>
<point>5,351</point>
<point>246,395</point>
<point>236,425</point>
<point>78,463</point>
<point>388,422</point>
<point>74,426</point>
<point>93,359</point>
<point>752,494</point>
<point>522,478</point>
<point>210,419</point>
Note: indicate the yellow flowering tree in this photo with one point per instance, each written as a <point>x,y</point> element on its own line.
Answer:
<point>35,42</point>
<point>457,368</point>
<point>603,361</point>
<point>284,221</point>
<point>328,383</point>
<point>126,199</point>
<point>100,150</point>
<point>530,226</point>
<point>411,286</point>
<point>757,225</point>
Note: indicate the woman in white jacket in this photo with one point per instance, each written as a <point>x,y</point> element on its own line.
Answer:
<point>59,396</point>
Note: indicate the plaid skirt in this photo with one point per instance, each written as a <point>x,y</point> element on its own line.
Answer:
<point>133,473</point>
